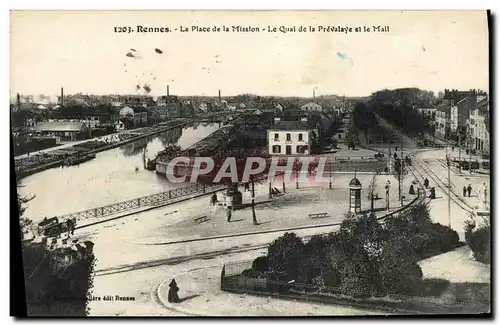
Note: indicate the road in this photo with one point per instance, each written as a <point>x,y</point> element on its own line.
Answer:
<point>432,164</point>
<point>137,253</point>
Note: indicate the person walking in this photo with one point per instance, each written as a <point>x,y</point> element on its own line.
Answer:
<point>173,295</point>
<point>469,189</point>
<point>426,183</point>
<point>465,191</point>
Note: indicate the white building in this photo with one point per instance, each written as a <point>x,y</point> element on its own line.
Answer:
<point>443,121</point>
<point>289,138</point>
<point>311,106</point>
<point>137,116</point>
<point>480,127</point>
<point>92,122</point>
<point>119,125</point>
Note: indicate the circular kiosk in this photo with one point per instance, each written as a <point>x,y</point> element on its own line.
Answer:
<point>355,196</point>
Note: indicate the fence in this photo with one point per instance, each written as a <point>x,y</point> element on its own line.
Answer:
<point>145,201</point>
<point>235,279</point>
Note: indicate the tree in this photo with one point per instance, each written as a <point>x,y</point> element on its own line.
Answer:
<point>398,269</point>
<point>285,255</point>
<point>400,171</point>
<point>25,222</point>
<point>372,187</point>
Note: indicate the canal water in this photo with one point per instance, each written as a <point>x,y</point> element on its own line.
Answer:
<point>113,176</point>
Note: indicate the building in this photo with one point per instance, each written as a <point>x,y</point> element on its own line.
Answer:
<point>71,131</point>
<point>311,106</point>
<point>480,127</point>
<point>92,122</point>
<point>429,112</point>
<point>443,121</point>
<point>289,138</point>
<point>138,116</point>
<point>119,125</point>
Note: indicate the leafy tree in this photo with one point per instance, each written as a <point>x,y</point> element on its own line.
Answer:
<point>398,269</point>
<point>285,255</point>
<point>260,264</point>
<point>354,270</point>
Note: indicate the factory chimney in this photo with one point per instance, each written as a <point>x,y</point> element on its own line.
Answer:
<point>168,90</point>
<point>62,96</point>
<point>220,99</point>
<point>18,98</point>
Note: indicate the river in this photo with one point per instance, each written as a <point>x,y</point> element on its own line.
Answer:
<point>111,177</point>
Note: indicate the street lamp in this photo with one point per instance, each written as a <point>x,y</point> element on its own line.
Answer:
<point>254,218</point>
<point>387,188</point>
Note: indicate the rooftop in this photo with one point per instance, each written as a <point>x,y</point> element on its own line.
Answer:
<point>59,126</point>
<point>355,182</point>
<point>290,125</point>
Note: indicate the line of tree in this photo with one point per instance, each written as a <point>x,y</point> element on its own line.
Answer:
<point>399,107</point>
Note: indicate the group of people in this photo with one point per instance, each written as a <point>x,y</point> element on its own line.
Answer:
<point>467,190</point>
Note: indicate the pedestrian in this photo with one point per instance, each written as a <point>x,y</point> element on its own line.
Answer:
<point>426,183</point>
<point>173,295</point>
<point>213,200</point>
<point>469,189</point>
<point>465,191</point>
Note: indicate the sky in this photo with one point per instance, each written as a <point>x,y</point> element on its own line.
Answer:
<point>80,51</point>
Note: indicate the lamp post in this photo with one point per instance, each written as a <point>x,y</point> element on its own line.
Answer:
<point>254,218</point>
<point>387,188</point>
<point>330,182</point>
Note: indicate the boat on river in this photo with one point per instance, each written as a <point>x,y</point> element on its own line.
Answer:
<point>78,159</point>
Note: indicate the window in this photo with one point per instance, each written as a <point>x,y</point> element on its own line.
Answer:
<point>300,137</point>
<point>276,149</point>
<point>276,136</point>
<point>300,149</point>
<point>288,137</point>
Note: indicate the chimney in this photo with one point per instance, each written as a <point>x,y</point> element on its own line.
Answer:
<point>18,98</point>
<point>314,94</point>
<point>219,96</point>
<point>62,96</point>
<point>168,90</point>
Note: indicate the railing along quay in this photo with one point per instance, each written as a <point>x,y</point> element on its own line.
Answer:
<point>145,201</point>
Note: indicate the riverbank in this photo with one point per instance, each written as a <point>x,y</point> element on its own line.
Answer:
<point>54,160</point>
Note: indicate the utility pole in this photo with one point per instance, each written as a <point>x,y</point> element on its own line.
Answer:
<point>459,154</point>
<point>449,188</point>
<point>402,168</point>
<point>253,204</point>
<point>470,152</point>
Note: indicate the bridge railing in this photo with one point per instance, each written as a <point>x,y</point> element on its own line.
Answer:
<point>145,201</point>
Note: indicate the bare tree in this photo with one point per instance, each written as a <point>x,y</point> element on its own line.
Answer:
<point>400,171</point>
<point>372,194</point>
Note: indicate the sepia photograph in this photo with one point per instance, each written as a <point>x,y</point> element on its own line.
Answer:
<point>251,163</point>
